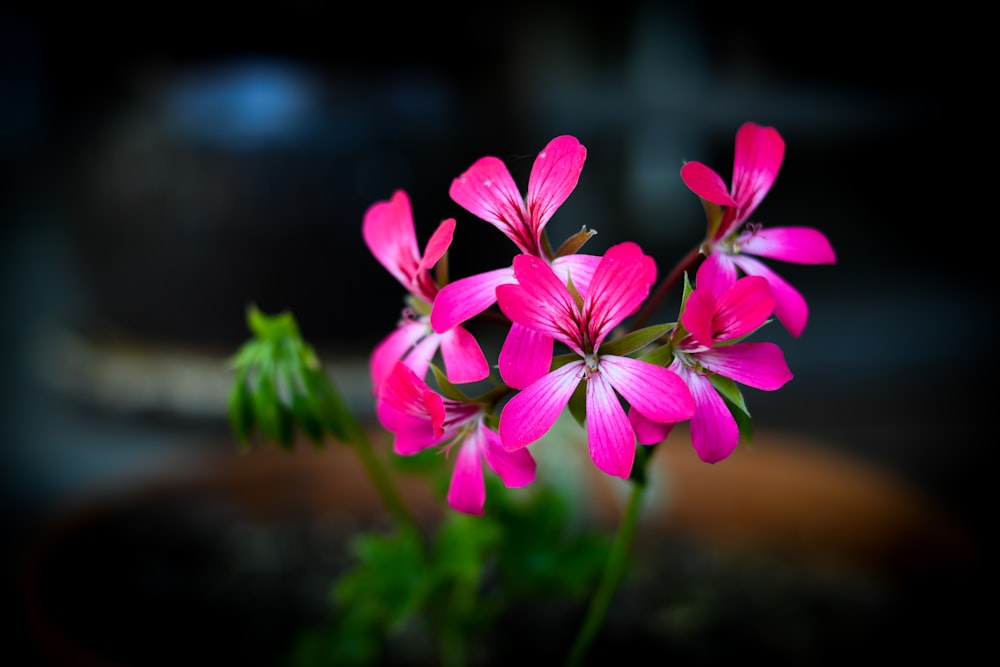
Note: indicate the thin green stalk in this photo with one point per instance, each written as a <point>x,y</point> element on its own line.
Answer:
<point>380,478</point>
<point>614,568</point>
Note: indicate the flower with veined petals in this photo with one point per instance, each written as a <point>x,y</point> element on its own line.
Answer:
<point>488,191</point>
<point>715,317</point>
<point>419,418</point>
<point>759,153</point>
<point>540,300</point>
<point>390,234</point>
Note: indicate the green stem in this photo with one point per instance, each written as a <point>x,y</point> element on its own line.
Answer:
<point>381,480</point>
<point>614,568</point>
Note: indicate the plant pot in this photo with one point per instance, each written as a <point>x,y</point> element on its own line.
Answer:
<point>785,552</point>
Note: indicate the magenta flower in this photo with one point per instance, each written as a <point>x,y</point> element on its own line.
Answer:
<point>758,157</point>
<point>390,235</point>
<point>715,318</point>
<point>540,300</point>
<point>487,190</point>
<point>419,418</point>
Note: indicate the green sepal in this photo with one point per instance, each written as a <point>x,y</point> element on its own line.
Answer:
<point>578,403</point>
<point>446,388</point>
<point>662,355</point>
<point>635,340</point>
<point>575,242</point>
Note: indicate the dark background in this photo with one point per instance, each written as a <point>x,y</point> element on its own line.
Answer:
<point>143,204</point>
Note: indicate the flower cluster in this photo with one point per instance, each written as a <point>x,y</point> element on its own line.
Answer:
<point>628,385</point>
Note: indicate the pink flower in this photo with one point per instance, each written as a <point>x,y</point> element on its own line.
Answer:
<point>487,190</point>
<point>420,418</point>
<point>715,318</point>
<point>541,301</point>
<point>759,153</point>
<point>389,232</point>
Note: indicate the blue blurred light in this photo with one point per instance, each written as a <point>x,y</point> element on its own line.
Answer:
<point>245,104</point>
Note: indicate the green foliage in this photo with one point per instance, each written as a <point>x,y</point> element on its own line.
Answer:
<point>523,547</point>
<point>280,387</point>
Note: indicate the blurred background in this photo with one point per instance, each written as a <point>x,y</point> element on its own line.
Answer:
<point>164,167</point>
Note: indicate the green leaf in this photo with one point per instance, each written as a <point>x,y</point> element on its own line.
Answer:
<point>240,410</point>
<point>271,328</point>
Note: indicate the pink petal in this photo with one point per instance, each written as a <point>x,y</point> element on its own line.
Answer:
<point>438,244</point>
<point>577,267</point>
<point>759,153</point>
<point>655,391</point>
<point>790,306</point>
<point>707,184</point>
<point>610,436</point>
<point>390,236</point>
<point>465,298</point>
<point>488,191</point>
<point>714,433</point>
<point>526,355</point>
<point>420,357</point>
<point>391,349</point>
<point>717,273</point>
<point>620,284</point>
<point>554,176</point>
<point>698,315</point>
<point>742,308</point>
<point>467,490</point>
<point>541,301</point>
<point>799,245</point>
<point>758,365</point>
<point>515,469</point>
<point>531,412</point>
<point>648,432</point>
<point>464,360</point>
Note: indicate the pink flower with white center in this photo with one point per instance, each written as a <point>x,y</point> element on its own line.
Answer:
<point>541,301</point>
<point>715,318</point>
<point>390,234</point>
<point>419,417</point>
<point>759,153</point>
<point>488,191</point>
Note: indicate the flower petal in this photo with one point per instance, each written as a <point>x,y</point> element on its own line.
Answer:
<point>438,244</point>
<point>706,183</point>
<point>759,153</point>
<point>526,355</point>
<point>465,298</point>
<point>620,284</point>
<point>655,391</point>
<point>464,360</point>
<point>789,305</point>
<point>799,245</point>
<point>515,468</point>
<point>610,436</point>
<point>577,267</point>
<point>541,301</point>
<point>391,237</point>
<point>487,190</point>
<point>758,365</point>
<point>741,309</point>
<point>531,412</point>
<point>467,490</point>
<point>391,349</point>
<point>648,432</point>
<point>554,176</point>
<point>714,432</point>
